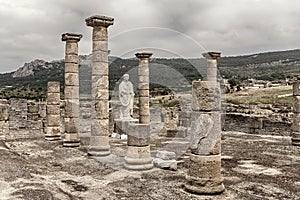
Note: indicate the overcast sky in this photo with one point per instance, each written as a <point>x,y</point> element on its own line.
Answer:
<point>31,29</point>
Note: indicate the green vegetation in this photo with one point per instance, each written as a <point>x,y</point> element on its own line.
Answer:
<point>23,93</point>
<point>275,96</point>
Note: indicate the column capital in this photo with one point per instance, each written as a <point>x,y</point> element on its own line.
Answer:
<point>98,20</point>
<point>71,36</point>
<point>143,55</point>
<point>211,55</point>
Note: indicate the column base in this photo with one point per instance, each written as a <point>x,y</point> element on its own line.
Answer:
<point>99,146</point>
<point>296,139</point>
<point>204,186</point>
<point>52,137</point>
<point>138,158</point>
<point>204,175</point>
<point>71,140</point>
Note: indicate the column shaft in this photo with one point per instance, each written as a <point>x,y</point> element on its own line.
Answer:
<point>296,119</point>
<point>71,92</point>
<point>53,130</point>
<point>99,142</point>
<point>204,175</point>
<point>143,75</point>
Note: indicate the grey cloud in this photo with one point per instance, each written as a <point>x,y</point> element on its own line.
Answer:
<point>32,29</point>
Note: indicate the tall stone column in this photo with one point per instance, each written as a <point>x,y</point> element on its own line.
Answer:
<point>71,136</point>
<point>204,175</point>
<point>143,73</point>
<point>138,155</point>
<point>296,110</point>
<point>99,141</point>
<point>53,130</point>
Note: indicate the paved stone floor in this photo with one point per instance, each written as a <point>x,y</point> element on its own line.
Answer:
<point>253,166</point>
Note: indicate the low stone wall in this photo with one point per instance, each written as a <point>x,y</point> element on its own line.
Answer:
<point>21,118</point>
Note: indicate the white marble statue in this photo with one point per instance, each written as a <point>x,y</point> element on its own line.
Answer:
<point>126,96</point>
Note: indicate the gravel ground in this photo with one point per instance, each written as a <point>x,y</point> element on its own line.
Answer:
<point>253,166</point>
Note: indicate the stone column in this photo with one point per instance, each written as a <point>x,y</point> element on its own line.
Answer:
<point>99,141</point>
<point>53,131</point>
<point>204,175</point>
<point>143,73</point>
<point>296,109</point>
<point>4,116</point>
<point>71,136</point>
<point>138,155</point>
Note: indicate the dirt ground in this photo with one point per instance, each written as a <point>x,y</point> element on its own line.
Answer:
<point>253,166</point>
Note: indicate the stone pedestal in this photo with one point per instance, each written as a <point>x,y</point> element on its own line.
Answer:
<point>71,136</point>
<point>138,155</point>
<point>53,130</point>
<point>99,141</point>
<point>122,125</point>
<point>296,109</point>
<point>204,174</point>
<point>143,73</point>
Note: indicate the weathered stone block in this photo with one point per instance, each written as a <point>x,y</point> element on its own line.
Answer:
<point>99,69</point>
<point>53,87</point>
<point>138,135</point>
<point>100,33</point>
<point>166,155</point>
<point>296,104</point>
<point>205,133</point>
<point>144,119</point>
<point>100,82</point>
<point>4,112</point>
<point>72,125</point>
<point>72,79</point>
<point>33,116</point>
<point>71,92</point>
<point>144,93</point>
<point>296,88</point>
<point>204,175</point>
<point>101,109</point>
<point>53,109</point>
<point>143,79</point>
<point>33,108</point>
<point>138,158</point>
<point>53,130</point>
<point>71,68</point>
<point>53,120</point>
<point>205,96</point>
<point>144,110</point>
<point>256,122</point>
<point>72,58</point>
<point>100,127</point>
<point>100,46</point>
<point>53,98</point>
<point>100,56</point>
<point>165,164</point>
<point>143,86</point>
<point>72,48</point>
<point>143,69</point>
<point>72,108</point>
<point>296,122</point>
<point>99,93</point>
<point>99,146</point>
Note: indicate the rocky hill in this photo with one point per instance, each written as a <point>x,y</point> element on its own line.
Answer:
<point>170,73</point>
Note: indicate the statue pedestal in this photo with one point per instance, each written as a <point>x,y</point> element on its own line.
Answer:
<point>121,125</point>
